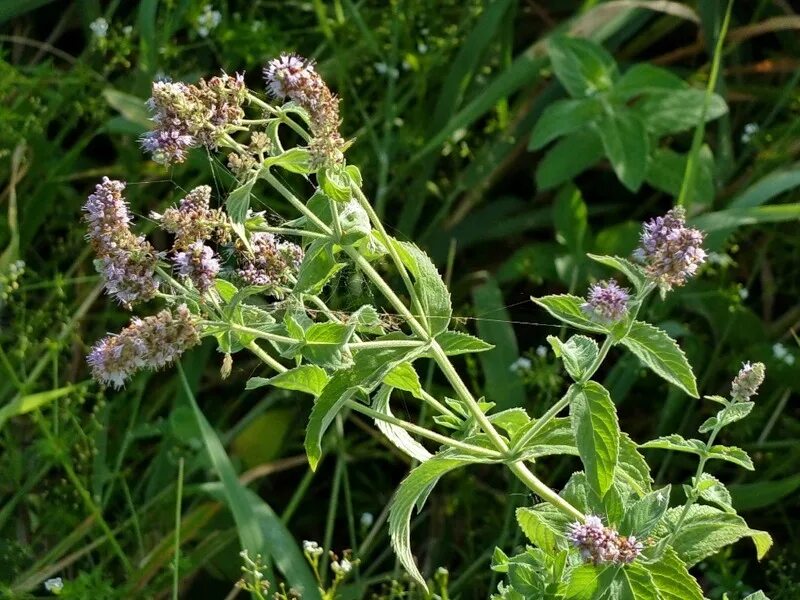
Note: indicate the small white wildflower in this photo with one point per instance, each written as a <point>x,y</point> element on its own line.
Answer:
<point>422,47</point>
<point>789,359</point>
<point>541,351</point>
<point>99,27</point>
<point>209,19</point>
<point>127,30</point>
<point>779,351</point>
<point>749,132</point>
<point>520,365</point>
<point>367,520</point>
<point>381,68</point>
<point>312,548</point>
<point>744,293</point>
<point>346,565</point>
<point>54,585</point>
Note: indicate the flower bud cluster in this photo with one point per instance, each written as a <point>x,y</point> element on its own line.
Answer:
<point>189,115</point>
<point>271,261</point>
<point>149,343</point>
<point>126,261</point>
<point>671,251</point>
<point>294,77</point>
<point>199,264</point>
<point>602,545</point>
<point>607,302</point>
<point>193,220</point>
<point>746,383</point>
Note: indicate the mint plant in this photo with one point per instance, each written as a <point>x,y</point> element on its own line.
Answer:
<point>255,284</point>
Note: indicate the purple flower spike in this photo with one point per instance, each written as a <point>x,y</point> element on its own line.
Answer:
<point>602,545</point>
<point>126,261</point>
<point>151,343</point>
<point>746,383</point>
<point>607,301</point>
<point>670,251</point>
<point>199,264</point>
<point>271,262</point>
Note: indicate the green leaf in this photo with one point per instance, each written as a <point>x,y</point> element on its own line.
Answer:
<point>578,353</point>
<point>570,217</point>
<point>647,512</point>
<point>676,442</point>
<point>455,342</point>
<point>397,435</point>
<point>238,201</point>
<point>504,386</point>
<point>569,157</point>
<point>632,467</point>
<point>563,117</point>
<point>626,145</point>
<point>294,160</point>
<point>367,372</point>
<point>632,271</point>
<point>752,496</point>
<point>635,583</point>
<point>512,420</point>
<point>583,67</point>
<point>661,354</point>
<point>671,578</point>
<point>418,483</point>
<point>540,531</point>
<point>132,108</point>
<point>335,182</point>
<point>309,379</point>
<point>759,595</point>
<point>404,377</point>
<point>728,415</point>
<point>706,530</point>
<point>755,215</point>
<point>713,490</point>
<point>567,309</point>
<point>555,437</point>
<point>225,289</point>
<point>676,111</point>
<point>731,454</point>
<point>665,169</point>
<point>643,79</point>
<point>589,582</point>
<point>325,344</point>
<point>432,292</point>
<point>596,429</point>
<point>317,268</point>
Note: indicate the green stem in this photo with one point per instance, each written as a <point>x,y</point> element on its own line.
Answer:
<point>386,344</point>
<point>337,226</point>
<point>178,500</point>
<point>398,263</point>
<point>424,432</point>
<point>290,231</point>
<point>294,200</point>
<point>266,358</point>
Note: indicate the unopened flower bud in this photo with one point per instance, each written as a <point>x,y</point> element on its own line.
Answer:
<point>746,383</point>
<point>607,301</point>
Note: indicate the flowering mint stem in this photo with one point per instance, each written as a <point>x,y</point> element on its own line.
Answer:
<point>281,114</point>
<point>294,200</point>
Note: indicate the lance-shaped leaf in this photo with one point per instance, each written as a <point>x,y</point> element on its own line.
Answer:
<point>706,530</point>
<point>596,429</point>
<point>417,484</point>
<point>578,353</point>
<point>645,513</point>
<point>672,579</point>
<point>429,285</point>
<point>567,309</point>
<point>541,531</point>
<point>456,342</point>
<point>713,490</point>
<point>309,379</point>
<point>662,355</point>
<point>633,272</point>
<point>726,416</point>
<point>404,377</point>
<point>317,268</point>
<point>397,435</point>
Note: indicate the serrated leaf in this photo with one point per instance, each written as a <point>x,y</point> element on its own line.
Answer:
<point>672,579</point>
<point>540,531</point>
<point>238,201</point>
<point>429,285</point>
<point>726,416</point>
<point>416,484</point>
<point>294,160</point>
<point>706,530</point>
<point>556,437</point>
<point>335,182</point>
<point>578,353</point>
<point>633,272</point>
<point>511,420</point>
<point>661,354</point>
<point>676,442</point>
<point>643,516</point>
<point>583,67</point>
<point>759,595</point>
<point>632,466</point>
<point>675,111</point>
<point>567,309</point>
<point>626,145</point>
<point>594,423</point>
<point>455,342</point>
<point>713,490</point>
<point>563,117</point>
<point>589,582</point>
<point>731,454</point>
<point>635,583</point>
<point>325,344</point>
<point>309,379</point>
<point>404,377</point>
<point>397,435</point>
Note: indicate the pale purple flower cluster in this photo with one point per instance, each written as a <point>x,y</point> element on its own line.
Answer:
<point>602,545</point>
<point>149,343</point>
<point>190,115</point>
<point>746,383</point>
<point>126,261</point>
<point>193,219</point>
<point>671,251</point>
<point>199,264</point>
<point>607,301</point>
<point>271,262</point>
<point>294,77</point>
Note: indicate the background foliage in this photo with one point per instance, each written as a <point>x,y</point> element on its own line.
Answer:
<point>441,99</point>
